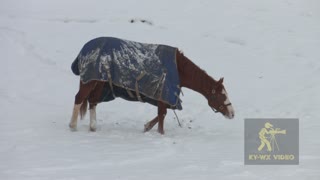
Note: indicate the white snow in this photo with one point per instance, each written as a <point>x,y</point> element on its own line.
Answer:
<point>268,52</point>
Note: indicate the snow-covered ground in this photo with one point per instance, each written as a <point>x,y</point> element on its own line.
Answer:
<point>268,52</point>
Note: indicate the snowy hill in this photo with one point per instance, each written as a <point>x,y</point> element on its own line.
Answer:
<point>268,52</point>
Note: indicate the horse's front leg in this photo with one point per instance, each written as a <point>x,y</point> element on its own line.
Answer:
<point>162,112</point>
<point>150,124</point>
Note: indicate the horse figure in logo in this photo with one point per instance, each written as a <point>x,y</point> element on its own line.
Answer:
<point>112,67</point>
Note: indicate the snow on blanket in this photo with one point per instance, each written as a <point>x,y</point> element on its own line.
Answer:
<point>132,69</point>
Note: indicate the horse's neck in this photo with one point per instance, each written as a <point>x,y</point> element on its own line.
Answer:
<point>192,77</point>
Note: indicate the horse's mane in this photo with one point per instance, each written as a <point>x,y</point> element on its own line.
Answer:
<point>196,73</point>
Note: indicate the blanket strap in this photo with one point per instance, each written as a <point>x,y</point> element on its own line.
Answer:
<point>176,94</point>
<point>137,86</point>
<point>163,79</point>
<point>129,93</point>
<point>110,82</point>
<point>180,89</point>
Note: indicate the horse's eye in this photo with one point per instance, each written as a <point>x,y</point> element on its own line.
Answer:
<point>221,107</point>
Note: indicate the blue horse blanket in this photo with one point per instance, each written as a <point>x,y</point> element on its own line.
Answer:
<point>135,71</point>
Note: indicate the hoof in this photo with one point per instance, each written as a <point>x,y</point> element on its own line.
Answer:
<point>73,129</point>
<point>93,129</point>
<point>147,127</point>
<point>161,132</point>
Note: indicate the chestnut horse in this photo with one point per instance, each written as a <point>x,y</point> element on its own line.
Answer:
<point>190,75</point>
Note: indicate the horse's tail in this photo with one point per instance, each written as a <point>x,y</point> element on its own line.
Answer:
<point>75,66</point>
<point>83,108</point>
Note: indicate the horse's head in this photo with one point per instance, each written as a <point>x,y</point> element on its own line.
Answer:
<point>219,102</point>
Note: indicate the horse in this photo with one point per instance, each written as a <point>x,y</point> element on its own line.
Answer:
<point>189,75</point>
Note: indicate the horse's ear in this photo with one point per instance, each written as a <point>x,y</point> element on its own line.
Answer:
<point>219,85</point>
<point>220,81</point>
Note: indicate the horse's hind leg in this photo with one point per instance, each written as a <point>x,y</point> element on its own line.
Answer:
<point>162,112</point>
<point>94,98</point>
<point>80,103</point>
<point>93,117</point>
<point>74,118</point>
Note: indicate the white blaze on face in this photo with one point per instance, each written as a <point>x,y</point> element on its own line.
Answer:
<point>230,109</point>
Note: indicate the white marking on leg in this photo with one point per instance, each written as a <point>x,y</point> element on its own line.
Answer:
<point>93,119</point>
<point>230,107</point>
<point>74,118</point>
